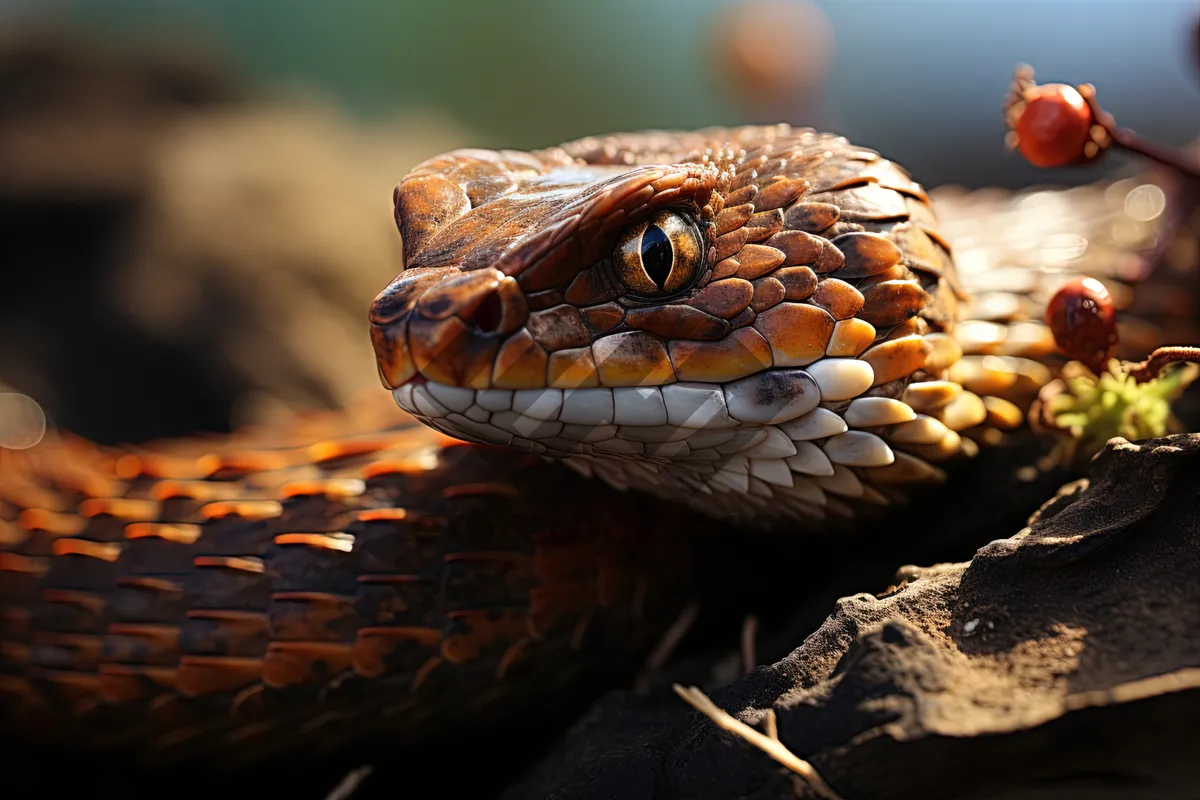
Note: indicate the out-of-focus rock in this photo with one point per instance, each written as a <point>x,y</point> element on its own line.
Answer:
<point>179,253</point>
<point>79,122</point>
<point>273,227</point>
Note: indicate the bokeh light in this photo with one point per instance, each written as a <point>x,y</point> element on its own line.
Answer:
<point>22,421</point>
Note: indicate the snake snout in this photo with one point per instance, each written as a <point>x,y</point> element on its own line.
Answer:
<point>445,324</point>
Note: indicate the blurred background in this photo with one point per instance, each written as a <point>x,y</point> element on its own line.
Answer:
<point>194,194</point>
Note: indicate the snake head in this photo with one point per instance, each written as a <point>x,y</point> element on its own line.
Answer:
<point>692,314</point>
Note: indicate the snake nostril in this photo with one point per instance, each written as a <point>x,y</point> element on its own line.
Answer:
<point>488,315</point>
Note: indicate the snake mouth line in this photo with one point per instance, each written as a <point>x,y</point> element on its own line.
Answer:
<point>797,434</point>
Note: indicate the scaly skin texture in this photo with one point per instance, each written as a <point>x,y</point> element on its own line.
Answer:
<point>355,575</point>
<point>801,372</point>
<point>311,585</point>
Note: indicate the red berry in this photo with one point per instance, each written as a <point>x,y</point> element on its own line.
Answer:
<point>1084,322</point>
<point>1054,125</point>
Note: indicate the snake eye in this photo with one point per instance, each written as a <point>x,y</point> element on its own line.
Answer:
<point>660,256</point>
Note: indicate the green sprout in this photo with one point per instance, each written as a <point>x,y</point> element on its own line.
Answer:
<point>1094,409</point>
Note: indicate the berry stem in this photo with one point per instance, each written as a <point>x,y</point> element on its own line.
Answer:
<point>1150,368</point>
<point>1134,143</point>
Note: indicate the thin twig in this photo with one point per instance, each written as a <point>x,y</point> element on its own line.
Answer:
<point>768,744</point>
<point>666,645</point>
<point>749,632</point>
<point>1160,358</point>
<point>772,725</point>
<point>1127,139</point>
<point>349,784</point>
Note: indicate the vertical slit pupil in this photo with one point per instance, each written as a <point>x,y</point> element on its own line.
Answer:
<point>657,255</point>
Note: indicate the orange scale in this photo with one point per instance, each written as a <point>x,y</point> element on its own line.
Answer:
<point>731,243</point>
<point>574,368</point>
<point>305,663</point>
<point>850,338</point>
<point>373,646</point>
<point>87,549</point>
<point>780,192</point>
<point>768,292</point>
<point>797,333</point>
<point>521,363</point>
<point>74,687</point>
<point>330,488</point>
<point>172,532</point>
<point>257,461</point>
<point>473,633</point>
<point>742,353</point>
<point>635,358</point>
<point>205,675</point>
<point>837,297</point>
<point>161,465</point>
<point>50,522</point>
<point>251,510</point>
<point>897,358</point>
<point>732,218</point>
<point>812,217</point>
<point>805,249</point>
<point>892,302</point>
<point>202,491</point>
<point>322,452</point>
<point>124,508</point>
<point>799,283</point>
<point>677,322</point>
<point>756,260</point>
<point>724,298</point>
<point>764,225</point>
<point>122,683</point>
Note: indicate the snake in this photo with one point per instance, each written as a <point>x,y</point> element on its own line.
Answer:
<point>592,351</point>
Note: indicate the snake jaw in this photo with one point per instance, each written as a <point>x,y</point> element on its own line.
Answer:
<point>681,440</point>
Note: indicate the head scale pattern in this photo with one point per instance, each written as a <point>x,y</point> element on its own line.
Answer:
<point>796,372</point>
